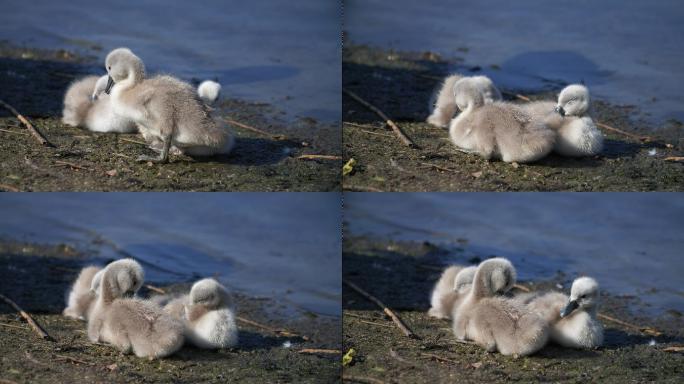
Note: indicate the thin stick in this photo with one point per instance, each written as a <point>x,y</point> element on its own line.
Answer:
<point>18,133</point>
<point>319,157</point>
<point>608,127</point>
<point>361,379</point>
<point>361,188</point>
<point>72,165</point>
<point>517,95</point>
<point>12,326</point>
<point>646,330</point>
<point>9,188</point>
<point>34,325</point>
<point>41,139</point>
<point>155,289</point>
<point>357,125</point>
<point>280,332</point>
<point>7,381</point>
<point>374,323</point>
<point>75,360</point>
<point>318,350</point>
<point>439,167</point>
<point>440,358</point>
<point>397,320</point>
<point>397,131</point>
<point>522,288</point>
<point>257,130</point>
<point>132,141</point>
<point>674,158</point>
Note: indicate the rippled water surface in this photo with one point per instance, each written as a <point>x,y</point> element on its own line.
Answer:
<point>278,245</point>
<point>626,51</point>
<point>283,53</point>
<point>631,242</point>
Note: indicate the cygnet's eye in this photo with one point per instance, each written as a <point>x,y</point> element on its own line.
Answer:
<point>583,296</point>
<point>109,68</point>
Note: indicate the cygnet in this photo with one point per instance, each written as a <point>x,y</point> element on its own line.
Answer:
<point>131,324</point>
<point>167,110</point>
<point>209,315</point>
<point>445,106</point>
<point>209,91</point>
<point>499,129</point>
<point>81,297</point>
<point>495,322</point>
<point>572,319</point>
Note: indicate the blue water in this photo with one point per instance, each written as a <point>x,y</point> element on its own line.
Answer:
<point>281,245</point>
<point>626,51</point>
<point>631,242</point>
<point>283,53</point>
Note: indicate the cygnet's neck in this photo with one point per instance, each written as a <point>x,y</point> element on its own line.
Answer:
<point>134,78</point>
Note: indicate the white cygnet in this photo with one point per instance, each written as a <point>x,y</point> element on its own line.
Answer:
<point>131,324</point>
<point>577,135</point>
<point>572,319</point>
<point>496,322</point>
<point>210,321</point>
<point>81,297</point>
<point>445,106</point>
<point>445,293</point>
<point>499,129</point>
<point>209,91</point>
<point>167,110</point>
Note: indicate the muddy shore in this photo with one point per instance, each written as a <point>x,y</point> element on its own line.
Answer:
<point>401,84</point>
<point>402,274</point>
<point>37,276</point>
<point>34,81</point>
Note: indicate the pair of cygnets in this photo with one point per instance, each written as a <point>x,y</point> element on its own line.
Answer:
<point>168,112</point>
<point>106,299</point>
<point>515,132</point>
<point>474,299</point>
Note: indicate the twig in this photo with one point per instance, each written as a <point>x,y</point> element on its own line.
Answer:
<point>440,358</point>
<point>357,125</point>
<point>34,325</point>
<point>132,141</point>
<point>318,350</point>
<point>517,95</point>
<point>18,133</point>
<point>360,128</point>
<point>7,381</point>
<point>41,139</point>
<point>9,188</point>
<point>122,155</point>
<point>397,131</point>
<point>608,127</point>
<point>646,330</point>
<point>155,289</point>
<point>72,165</point>
<point>72,359</point>
<point>12,326</point>
<point>257,130</point>
<point>397,320</point>
<point>360,188</point>
<point>674,158</point>
<point>280,332</point>
<point>319,157</point>
<point>522,288</point>
<point>439,167</point>
<point>374,323</point>
<point>361,379</point>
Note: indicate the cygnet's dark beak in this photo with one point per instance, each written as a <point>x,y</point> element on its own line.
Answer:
<point>560,110</point>
<point>129,294</point>
<point>572,305</point>
<point>110,84</point>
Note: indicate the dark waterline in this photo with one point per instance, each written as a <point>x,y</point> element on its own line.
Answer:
<point>627,51</point>
<point>283,53</point>
<point>631,242</point>
<point>281,245</point>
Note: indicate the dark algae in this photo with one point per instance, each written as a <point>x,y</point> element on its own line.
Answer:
<point>401,84</point>
<point>402,274</point>
<point>37,277</point>
<point>34,81</point>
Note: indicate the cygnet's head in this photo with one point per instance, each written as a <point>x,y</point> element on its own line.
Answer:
<point>123,277</point>
<point>468,92</point>
<point>573,100</point>
<point>494,276</point>
<point>97,281</point>
<point>464,279</point>
<point>489,91</point>
<point>209,293</point>
<point>584,294</point>
<point>121,64</point>
<point>100,86</point>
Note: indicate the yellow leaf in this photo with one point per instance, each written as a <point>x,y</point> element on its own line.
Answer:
<point>348,357</point>
<point>349,167</point>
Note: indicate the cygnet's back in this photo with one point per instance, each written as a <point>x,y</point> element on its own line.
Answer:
<point>77,101</point>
